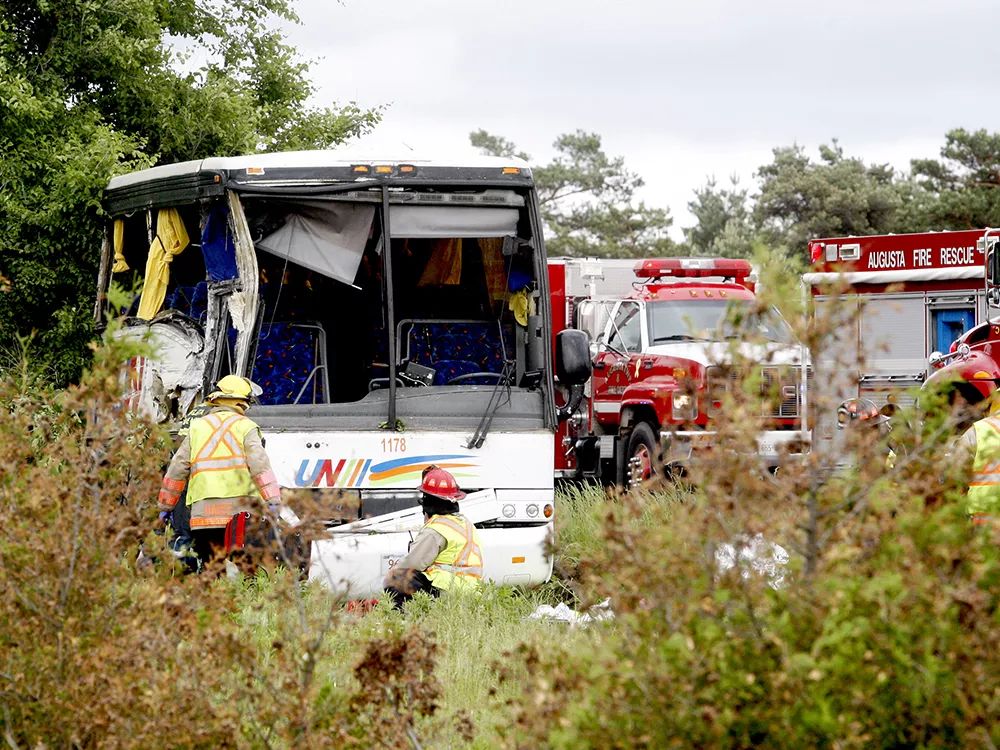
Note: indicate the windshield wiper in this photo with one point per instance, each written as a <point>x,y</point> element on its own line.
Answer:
<point>753,338</point>
<point>494,404</point>
<point>678,337</point>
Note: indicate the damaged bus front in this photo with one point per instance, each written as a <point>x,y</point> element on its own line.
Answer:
<point>395,314</point>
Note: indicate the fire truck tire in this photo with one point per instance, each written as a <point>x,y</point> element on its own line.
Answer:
<point>643,452</point>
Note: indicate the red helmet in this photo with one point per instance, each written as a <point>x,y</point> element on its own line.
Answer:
<point>440,483</point>
<point>859,412</point>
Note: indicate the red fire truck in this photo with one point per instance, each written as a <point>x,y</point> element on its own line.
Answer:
<point>905,296</point>
<point>660,348</point>
<point>971,367</point>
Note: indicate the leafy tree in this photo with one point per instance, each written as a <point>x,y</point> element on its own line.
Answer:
<point>962,189</point>
<point>89,90</point>
<point>588,199</point>
<point>724,222</point>
<point>800,198</point>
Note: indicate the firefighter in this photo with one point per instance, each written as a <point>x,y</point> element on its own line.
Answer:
<point>222,465</point>
<point>866,425</point>
<point>982,445</point>
<point>446,555</point>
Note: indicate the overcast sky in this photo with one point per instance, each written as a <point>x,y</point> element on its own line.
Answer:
<point>683,90</point>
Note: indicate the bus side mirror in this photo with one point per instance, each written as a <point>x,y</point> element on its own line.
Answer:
<point>573,364</point>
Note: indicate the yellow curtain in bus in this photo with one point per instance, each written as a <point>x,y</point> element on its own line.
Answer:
<point>493,267</point>
<point>444,267</point>
<point>120,264</point>
<point>171,237</point>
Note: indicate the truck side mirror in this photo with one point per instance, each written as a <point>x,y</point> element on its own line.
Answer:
<point>573,364</point>
<point>993,275</point>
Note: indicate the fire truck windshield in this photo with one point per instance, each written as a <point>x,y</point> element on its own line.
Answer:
<point>709,319</point>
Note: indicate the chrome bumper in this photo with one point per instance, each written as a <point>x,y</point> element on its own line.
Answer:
<point>773,446</point>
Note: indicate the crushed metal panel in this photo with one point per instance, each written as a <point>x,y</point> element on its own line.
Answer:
<point>243,304</point>
<point>168,381</point>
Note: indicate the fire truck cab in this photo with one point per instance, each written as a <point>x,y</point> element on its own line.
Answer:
<point>662,333</point>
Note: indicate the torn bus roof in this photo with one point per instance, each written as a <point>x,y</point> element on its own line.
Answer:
<point>292,171</point>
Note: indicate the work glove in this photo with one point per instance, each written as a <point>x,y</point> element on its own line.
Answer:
<point>161,521</point>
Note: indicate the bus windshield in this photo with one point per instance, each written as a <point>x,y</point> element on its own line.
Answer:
<point>332,290</point>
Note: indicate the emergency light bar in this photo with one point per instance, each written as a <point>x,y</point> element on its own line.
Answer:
<point>656,268</point>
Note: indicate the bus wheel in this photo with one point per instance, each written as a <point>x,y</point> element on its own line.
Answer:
<point>642,457</point>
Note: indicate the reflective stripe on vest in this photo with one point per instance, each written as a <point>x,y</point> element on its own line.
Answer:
<point>218,458</point>
<point>460,563</point>
<point>215,513</point>
<point>984,488</point>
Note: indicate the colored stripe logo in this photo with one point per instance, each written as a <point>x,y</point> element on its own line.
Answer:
<point>328,472</point>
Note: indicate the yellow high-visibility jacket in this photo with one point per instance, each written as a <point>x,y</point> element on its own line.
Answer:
<point>223,465</point>
<point>460,563</point>
<point>983,498</point>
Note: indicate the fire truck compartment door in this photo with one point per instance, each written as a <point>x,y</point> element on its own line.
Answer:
<point>888,342</point>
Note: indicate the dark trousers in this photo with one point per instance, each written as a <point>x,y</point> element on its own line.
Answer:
<point>400,594</point>
<point>183,542</point>
<point>209,543</point>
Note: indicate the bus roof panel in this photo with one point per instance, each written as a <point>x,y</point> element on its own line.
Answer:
<point>307,161</point>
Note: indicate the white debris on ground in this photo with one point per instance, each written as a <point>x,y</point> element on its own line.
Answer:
<point>562,613</point>
<point>754,555</point>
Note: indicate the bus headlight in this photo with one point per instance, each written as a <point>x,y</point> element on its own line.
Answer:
<point>532,510</point>
<point>684,405</point>
<point>508,511</point>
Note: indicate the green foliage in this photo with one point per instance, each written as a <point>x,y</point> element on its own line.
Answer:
<point>724,222</point>
<point>800,199</point>
<point>91,90</point>
<point>880,630</point>
<point>588,200</point>
<point>96,650</point>
<point>885,631</point>
<point>962,189</point>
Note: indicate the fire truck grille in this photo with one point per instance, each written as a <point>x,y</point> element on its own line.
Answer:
<point>779,388</point>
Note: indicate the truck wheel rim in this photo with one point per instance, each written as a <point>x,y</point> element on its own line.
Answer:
<point>645,462</point>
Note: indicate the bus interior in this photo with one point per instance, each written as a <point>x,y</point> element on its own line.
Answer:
<point>464,293</point>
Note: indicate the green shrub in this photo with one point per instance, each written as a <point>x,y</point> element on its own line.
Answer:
<point>95,652</point>
<point>883,632</point>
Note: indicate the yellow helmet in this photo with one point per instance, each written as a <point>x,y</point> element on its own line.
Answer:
<point>235,387</point>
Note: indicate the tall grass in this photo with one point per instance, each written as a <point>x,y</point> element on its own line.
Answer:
<point>584,513</point>
<point>478,637</point>
<point>474,635</point>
